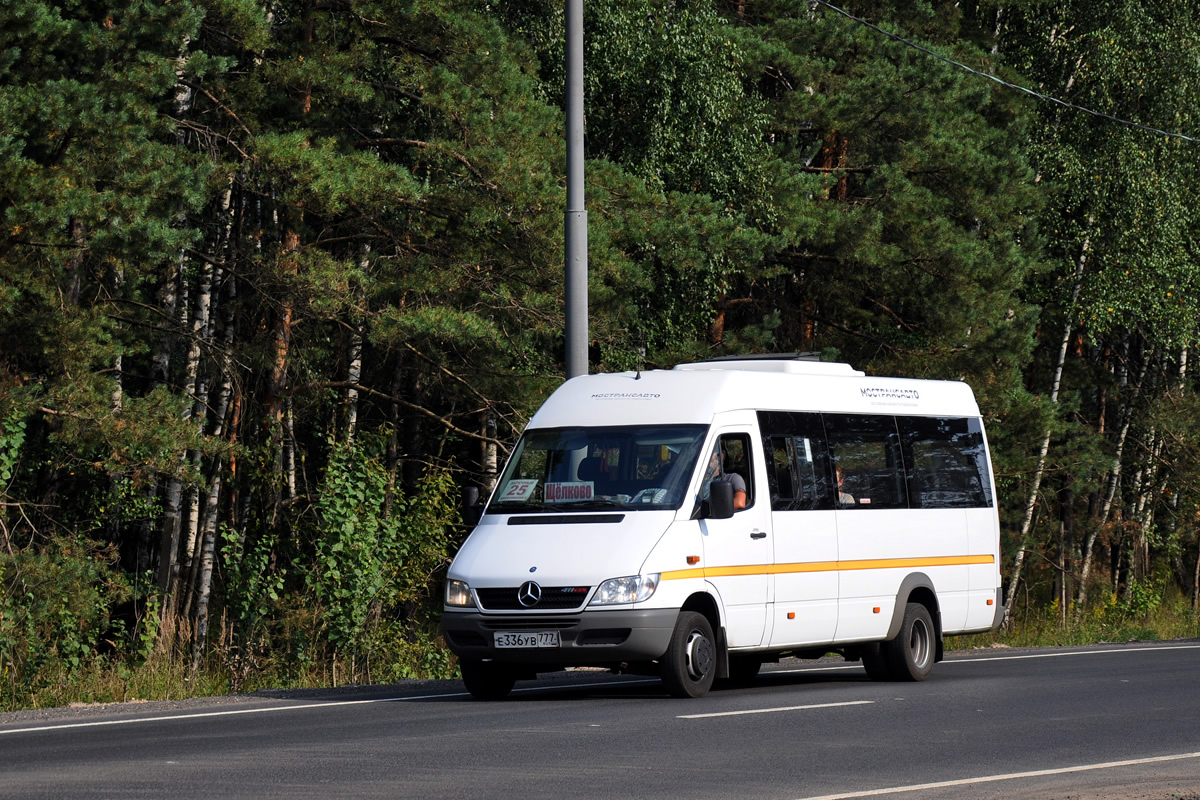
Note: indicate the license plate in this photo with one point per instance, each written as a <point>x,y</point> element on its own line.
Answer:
<point>526,639</point>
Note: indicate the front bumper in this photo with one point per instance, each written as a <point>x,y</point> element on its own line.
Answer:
<point>589,638</point>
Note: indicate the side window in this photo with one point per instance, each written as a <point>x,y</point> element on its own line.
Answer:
<point>797,464</point>
<point>735,452</point>
<point>866,459</point>
<point>948,464</point>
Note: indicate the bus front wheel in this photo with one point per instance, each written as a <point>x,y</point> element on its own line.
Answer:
<point>487,680</point>
<point>690,663</point>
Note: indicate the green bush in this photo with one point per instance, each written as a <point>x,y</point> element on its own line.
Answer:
<point>359,604</point>
<point>55,614</point>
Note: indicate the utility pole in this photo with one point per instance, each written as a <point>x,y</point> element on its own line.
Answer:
<point>576,216</point>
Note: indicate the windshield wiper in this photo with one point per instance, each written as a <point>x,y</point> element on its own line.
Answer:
<point>586,505</point>
<point>554,508</point>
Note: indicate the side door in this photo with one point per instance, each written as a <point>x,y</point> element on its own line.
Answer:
<point>737,551</point>
<point>879,538</point>
<point>800,489</point>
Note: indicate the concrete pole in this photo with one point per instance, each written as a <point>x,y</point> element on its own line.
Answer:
<point>576,216</point>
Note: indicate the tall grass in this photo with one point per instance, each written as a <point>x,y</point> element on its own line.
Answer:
<point>1112,622</point>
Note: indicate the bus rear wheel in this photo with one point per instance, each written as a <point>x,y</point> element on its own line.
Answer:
<point>910,655</point>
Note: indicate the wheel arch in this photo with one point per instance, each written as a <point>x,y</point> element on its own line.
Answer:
<point>917,588</point>
<point>704,603</point>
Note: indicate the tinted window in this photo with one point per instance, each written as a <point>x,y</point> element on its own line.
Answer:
<point>866,449</point>
<point>797,463</point>
<point>948,465</point>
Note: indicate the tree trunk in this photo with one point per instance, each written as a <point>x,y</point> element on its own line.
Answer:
<point>353,377</point>
<point>275,403</point>
<point>1039,471</point>
<point>169,526</point>
<point>490,454</point>
<point>1196,579</point>
<point>354,352</point>
<point>195,385</point>
<point>172,519</point>
<point>172,292</point>
<point>289,450</point>
<point>204,587</point>
<point>1126,415</point>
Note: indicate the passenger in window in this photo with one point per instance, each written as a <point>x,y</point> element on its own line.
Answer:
<point>716,472</point>
<point>844,498</point>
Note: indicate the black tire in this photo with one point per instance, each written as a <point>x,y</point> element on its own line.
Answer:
<point>874,658</point>
<point>743,670</point>
<point>487,680</point>
<point>911,654</point>
<point>690,663</point>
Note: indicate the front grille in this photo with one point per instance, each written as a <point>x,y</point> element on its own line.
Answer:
<point>554,598</point>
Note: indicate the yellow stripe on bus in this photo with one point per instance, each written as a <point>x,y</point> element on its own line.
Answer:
<point>826,566</point>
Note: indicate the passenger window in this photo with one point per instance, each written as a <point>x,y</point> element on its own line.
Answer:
<point>866,456</point>
<point>797,465</point>
<point>735,449</point>
<point>948,465</point>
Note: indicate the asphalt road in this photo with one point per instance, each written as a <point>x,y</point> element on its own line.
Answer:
<point>1112,722</point>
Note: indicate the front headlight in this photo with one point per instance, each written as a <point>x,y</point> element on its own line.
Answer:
<point>458,594</point>
<point>633,589</point>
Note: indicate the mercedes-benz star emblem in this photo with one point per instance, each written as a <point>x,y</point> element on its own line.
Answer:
<point>529,594</point>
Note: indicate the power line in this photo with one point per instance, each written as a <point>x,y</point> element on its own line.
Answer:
<point>1003,82</point>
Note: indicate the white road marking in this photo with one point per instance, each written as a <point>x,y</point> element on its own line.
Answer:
<point>920,787</point>
<point>1076,653</point>
<point>773,710</point>
<point>955,660</point>
<point>200,714</point>
<point>300,707</point>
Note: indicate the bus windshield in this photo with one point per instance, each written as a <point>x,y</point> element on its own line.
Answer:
<point>621,467</point>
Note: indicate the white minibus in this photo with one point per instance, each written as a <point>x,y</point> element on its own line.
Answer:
<point>697,522</point>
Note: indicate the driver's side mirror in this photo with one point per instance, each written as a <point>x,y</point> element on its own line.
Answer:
<point>720,500</point>
<point>472,509</point>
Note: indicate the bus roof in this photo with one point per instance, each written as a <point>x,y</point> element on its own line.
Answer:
<point>695,393</point>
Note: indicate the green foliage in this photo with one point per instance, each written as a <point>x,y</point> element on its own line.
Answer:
<point>55,610</point>
<point>12,436</point>
<point>1139,602</point>
<point>375,556</point>
<point>1121,195</point>
<point>252,588</point>
<point>146,632</point>
<point>356,545</point>
<point>915,194</point>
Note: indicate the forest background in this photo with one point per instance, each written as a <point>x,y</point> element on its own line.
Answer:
<point>279,277</point>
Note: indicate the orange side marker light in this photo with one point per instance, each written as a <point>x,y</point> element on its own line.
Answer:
<point>791,615</point>
<point>991,601</point>
<point>693,559</point>
<point>875,610</point>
